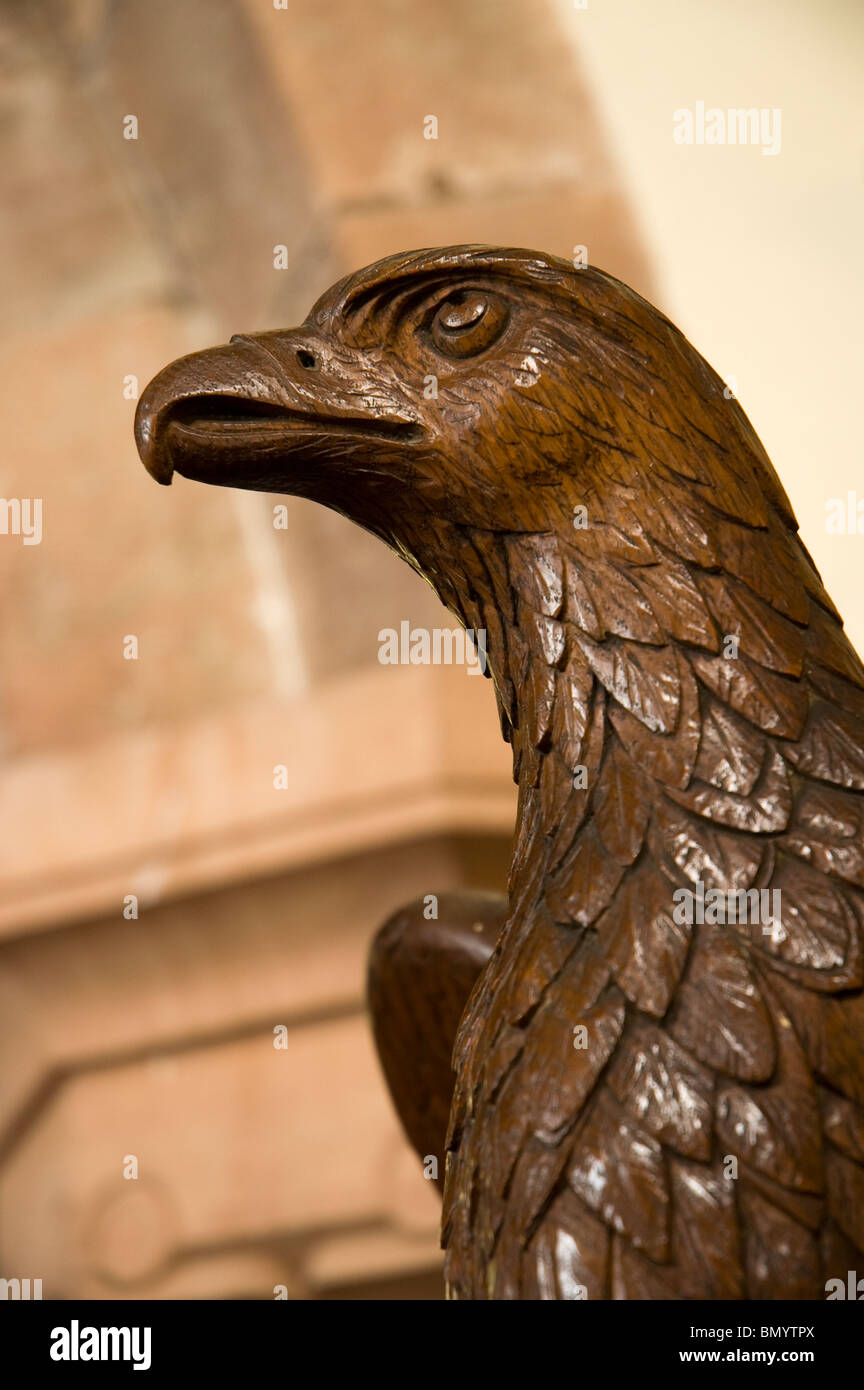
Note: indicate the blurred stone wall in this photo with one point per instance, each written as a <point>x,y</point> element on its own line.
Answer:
<point>151,1038</point>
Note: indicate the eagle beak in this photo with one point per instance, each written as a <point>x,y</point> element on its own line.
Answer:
<point>258,411</point>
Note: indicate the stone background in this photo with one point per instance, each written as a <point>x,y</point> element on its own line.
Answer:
<point>302,127</point>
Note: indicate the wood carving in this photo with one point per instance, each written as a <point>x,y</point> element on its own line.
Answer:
<point>421,973</point>
<point>660,1072</point>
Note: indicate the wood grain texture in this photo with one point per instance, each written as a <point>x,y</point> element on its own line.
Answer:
<point>644,1107</point>
<point>422,970</point>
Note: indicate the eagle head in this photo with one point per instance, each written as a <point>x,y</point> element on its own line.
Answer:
<point>465,387</point>
<point>390,404</point>
<point>499,418</point>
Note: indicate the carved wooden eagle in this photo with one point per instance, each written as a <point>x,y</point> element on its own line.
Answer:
<point>659,1088</point>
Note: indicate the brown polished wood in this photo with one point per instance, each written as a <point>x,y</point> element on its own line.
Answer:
<point>652,1100</point>
<point>422,969</point>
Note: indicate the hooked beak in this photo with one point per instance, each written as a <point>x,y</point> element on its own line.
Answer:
<point>262,411</point>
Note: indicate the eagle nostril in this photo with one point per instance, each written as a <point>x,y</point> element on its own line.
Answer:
<point>306,359</point>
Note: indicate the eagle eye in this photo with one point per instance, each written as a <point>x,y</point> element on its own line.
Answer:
<point>467,322</point>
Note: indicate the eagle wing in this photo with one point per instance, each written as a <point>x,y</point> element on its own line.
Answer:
<point>423,964</point>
